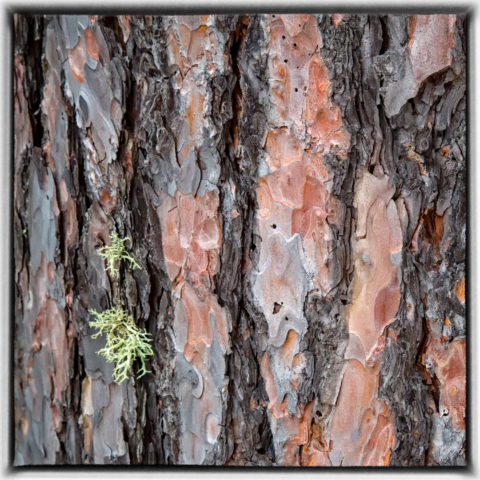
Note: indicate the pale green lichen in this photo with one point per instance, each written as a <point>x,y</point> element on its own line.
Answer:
<point>115,253</point>
<point>125,341</point>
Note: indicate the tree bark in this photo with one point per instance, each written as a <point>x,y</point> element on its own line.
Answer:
<point>293,187</point>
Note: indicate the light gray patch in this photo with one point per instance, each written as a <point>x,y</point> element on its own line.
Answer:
<point>108,435</point>
<point>70,26</point>
<point>292,402</point>
<point>210,164</point>
<point>56,289</point>
<point>42,218</point>
<point>197,392</point>
<point>290,294</point>
<point>189,443</point>
<point>180,327</point>
<point>116,84</point>
<point>459,323</point>
<point>37,435</point>
<point>19,460</point>
<point>282,374</point>
<point>189,174</point>
<point>446,441</point>
<point>217,360</point>
<point>95,363</point>
<point>42,365</point>
<point>100,394</point>
<point>184,371</point>
<point>50,440</point>
<point>28,398</point>
<point>83,21</point>
<point>399,84</point>
<point>166,174</point>
<point>184,392</point>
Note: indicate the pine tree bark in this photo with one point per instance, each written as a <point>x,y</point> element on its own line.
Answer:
<point>293,187</point>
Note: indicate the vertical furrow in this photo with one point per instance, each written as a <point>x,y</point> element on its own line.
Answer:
<point>191,112</point>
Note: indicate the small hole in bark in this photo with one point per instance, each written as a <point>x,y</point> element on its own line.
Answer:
<point>274,226</point>
<point>276,308</point>
<point>319,413</point>
<point>253,247</point>
<point>296,89</point>
<point>286,319</point>
<point>48,198</point>
<point>286,61</point>
<point>295,45</point>
<point>273,16</point>
<point>283,37</point>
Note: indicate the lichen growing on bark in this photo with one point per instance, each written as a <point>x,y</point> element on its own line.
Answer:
<point>115,253</point>
<point>125,341</point>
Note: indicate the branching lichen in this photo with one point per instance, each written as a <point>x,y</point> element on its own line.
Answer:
<point>116,252</point>
<point>125,341</point>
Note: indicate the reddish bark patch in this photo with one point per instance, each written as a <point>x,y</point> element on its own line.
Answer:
<point>337,18</point>
<point>77,58</point>
<point>430,44</point>
<point>91,44</point>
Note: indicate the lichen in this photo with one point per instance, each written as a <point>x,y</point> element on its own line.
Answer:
<point>125,341</point>
<point>115,253</point>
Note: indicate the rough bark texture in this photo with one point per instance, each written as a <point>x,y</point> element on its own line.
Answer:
<point>294,189</point>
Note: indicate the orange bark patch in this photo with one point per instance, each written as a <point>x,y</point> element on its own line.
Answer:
<point>324,121</point>
<point>77,57</point>
<point>287,184</point>
<point>337,18</point>
<point>169,218</point>
<point>361,428</point>
<point>460,288</point>
<point>304,220</point>
<point>199,327</point>
<point>265,201</point>
<point>108,201</point>
<point>283,148</point>
<point>91,43</point>
<point>374,272</point>
<point>287,350</point>
<point>386,305</point>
